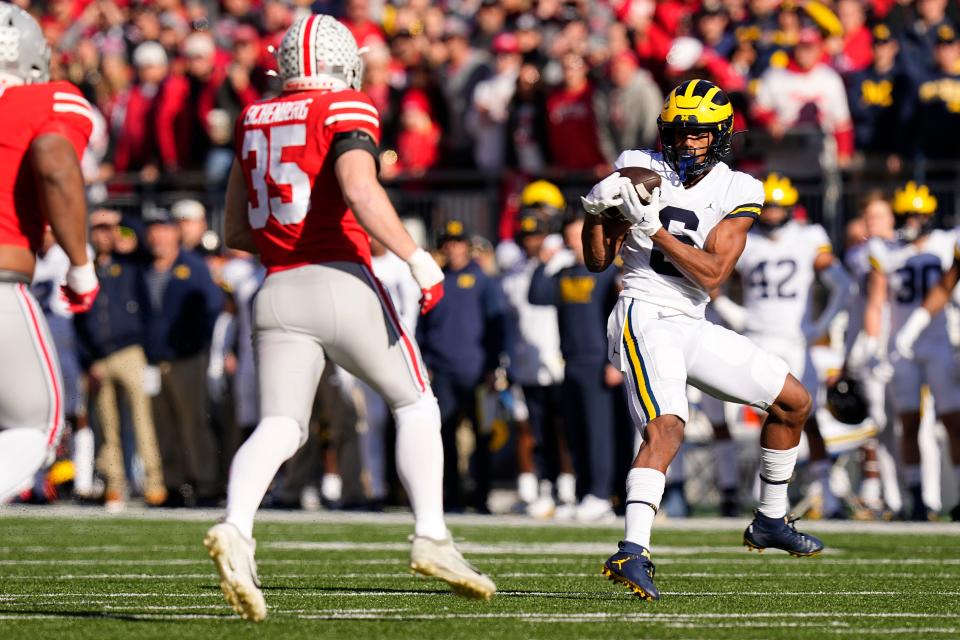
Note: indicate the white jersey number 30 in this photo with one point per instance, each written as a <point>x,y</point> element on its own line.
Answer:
<point>282,189</point>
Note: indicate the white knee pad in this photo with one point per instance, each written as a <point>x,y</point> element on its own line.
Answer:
<point>422,413</point>
<point>22,453</point>
<point>284,431</point>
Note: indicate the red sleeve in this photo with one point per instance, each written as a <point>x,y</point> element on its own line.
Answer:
<point>844,139</point>
<point>71,116</point>
<point>170,102</point>
<point>352,111</point>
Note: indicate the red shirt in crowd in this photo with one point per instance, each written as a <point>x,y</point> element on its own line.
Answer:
<point>572,129</point>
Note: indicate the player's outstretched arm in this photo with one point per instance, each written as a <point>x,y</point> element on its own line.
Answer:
<point>602,239</point>
<point>356,172</point>
<point>236,224</point>
<point>711,266</point>
<point>62,195</point>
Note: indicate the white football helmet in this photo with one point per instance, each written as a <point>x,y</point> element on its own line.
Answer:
<point>24,52</point>
<point>318,52</point>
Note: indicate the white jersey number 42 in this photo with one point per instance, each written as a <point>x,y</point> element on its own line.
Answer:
<point>266,146</point>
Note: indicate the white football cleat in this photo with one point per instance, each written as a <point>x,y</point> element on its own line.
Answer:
<point>232,553</point>
<point>441,559</point>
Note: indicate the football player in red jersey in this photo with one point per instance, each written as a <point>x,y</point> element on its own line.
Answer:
<point>303,194</point>
<point>44,128</point>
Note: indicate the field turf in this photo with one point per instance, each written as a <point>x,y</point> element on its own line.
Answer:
<point>74,573</point>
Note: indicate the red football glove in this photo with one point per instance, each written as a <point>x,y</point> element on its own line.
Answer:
<point>429,276</point>
<point>430,298</point>
<point>81,288</point>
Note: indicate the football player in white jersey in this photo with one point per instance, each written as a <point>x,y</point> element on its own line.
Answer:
<point>911,271</point>
<point>903,271</point>
<point>880,488</point>
<point>676,248</point>
<point>778,267</point>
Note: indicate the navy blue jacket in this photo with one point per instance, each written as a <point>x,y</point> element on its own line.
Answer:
<point>118,317</point>
<point>583,300</point>
<point>877,102</point>
<point>183,324</point>
<point>465,333</point>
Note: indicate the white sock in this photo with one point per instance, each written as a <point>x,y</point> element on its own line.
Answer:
<point>912,475</point>
<point>726,454</point>
<point>870,493</point>
<point>419,454</point>
<point>644,491</point>
<point>331,487</point>
<point>22,453</point>
<point>776,468</point>
<point>272,443</point>
<point>567,488</point>
<point>527,487</point>
<point>83,460</point>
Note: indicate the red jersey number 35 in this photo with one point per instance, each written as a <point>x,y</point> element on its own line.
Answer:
<point>277,186</point>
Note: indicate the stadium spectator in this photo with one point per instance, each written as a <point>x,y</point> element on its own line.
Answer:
<point>807,94</point>
<point>491,99</point>
<point>877,96</point>
<point>923,20</point>
<point>627,108</point>
<point>851,52</point>
<point>462,340</point>
<point>572,122</point>
<point>356,17</point>
<point>111,337</point>
<point>184,304</point>
<point>183,105</point>
<point>191,218</point>
<point>934,107</point>
<point>418,143</point>
<point>133,111</point>
<point>527,134</point>
<point>464,69</point>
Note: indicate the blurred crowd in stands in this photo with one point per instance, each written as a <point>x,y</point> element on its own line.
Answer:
<point>515,89</point>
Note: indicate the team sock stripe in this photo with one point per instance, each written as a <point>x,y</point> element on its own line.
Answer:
<point>649,504</point>
<point>647,400</point>
<point>762,479</point>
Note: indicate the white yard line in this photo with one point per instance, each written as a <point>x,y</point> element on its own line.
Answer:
<point>321,518</point>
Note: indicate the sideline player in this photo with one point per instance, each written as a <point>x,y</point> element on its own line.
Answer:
<point>303,182</point>
<point>46,126</point>
<point>678,247</point>
<point>778,267</point>
<point>910,270</point>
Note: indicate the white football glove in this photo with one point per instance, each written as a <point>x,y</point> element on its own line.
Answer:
<point>644,216</point>
<point>910,331</point>
<point>429,276</point>
<point>605,194</point>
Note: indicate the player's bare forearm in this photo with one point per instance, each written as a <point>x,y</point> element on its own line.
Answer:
<point>939,295</point>
<point>362,192</point>
<point>62,195</point>
<point>236,225</point>
<point>602,239</point>
<point>711,266</point>
<point>876,299</point>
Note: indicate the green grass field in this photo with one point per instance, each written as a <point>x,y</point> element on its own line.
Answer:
<point>73,573</point>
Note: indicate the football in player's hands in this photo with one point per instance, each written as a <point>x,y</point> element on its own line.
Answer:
<point>644,181</point>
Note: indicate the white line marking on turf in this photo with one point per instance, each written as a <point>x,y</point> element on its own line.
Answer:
<point>547,548</point>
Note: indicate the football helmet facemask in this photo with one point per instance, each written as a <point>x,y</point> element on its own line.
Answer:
<point>695,106</point>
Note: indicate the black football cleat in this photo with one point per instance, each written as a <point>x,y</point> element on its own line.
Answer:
<point>631,566</point>
<point>780,533</point>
